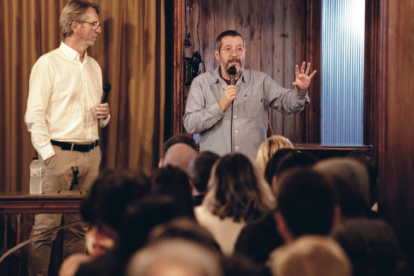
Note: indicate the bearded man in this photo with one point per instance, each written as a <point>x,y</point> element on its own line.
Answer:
<point>244,128</point>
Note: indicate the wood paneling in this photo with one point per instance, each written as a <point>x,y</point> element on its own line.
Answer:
<point>276,39</point>
<point>396,120</point>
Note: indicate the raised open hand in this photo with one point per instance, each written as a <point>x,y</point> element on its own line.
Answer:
<point>303,78</point>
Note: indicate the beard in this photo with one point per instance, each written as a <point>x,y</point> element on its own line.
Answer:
<point>240,64</point>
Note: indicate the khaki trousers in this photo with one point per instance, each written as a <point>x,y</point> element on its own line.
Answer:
<point>58,177</point>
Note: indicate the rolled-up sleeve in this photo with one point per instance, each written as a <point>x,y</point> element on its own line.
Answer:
<point>286,101</point>
<point>199,113</point>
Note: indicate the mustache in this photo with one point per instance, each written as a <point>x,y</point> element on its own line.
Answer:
<point>233,60</point>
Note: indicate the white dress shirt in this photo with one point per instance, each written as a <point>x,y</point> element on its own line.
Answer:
<point>63,93</point>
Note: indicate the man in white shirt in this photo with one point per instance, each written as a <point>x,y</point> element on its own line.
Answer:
<point>63,114</point>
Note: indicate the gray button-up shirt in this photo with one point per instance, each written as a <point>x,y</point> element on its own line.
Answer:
<point>256,93</point>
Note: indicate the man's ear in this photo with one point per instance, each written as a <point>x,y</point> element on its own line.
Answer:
<point>282,227</point>
<point>217,54</point>
<point>74,27</point>
<point>161,163</point>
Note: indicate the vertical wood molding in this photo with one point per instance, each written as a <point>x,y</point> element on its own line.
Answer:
<point>178,84</point>
<point>371,84</point>
<point>313,55</point>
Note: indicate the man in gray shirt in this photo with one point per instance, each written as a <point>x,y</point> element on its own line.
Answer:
<point>208,110</point>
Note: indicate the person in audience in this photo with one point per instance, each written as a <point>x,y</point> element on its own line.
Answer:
<point>174,182</point>
<point>174,257</point>
<point>307,205</point>
<point>180,155</point>
<point>110,195</point>
<point>176,139</point>
<point>310,256</point>
<point>137,222</point>
<point>367,159</point>
<point>372,247</point>
<point>350,180</point>
<point>184,228</point>
<point>237,194</point>
<point>258,238</point>
<point>274,161</point>
<point>243,266</point>
<point>199,173</point>
<point>103,208</point>
<point>269,147</point>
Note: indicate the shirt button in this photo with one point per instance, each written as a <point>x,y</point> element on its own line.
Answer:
<point>237,147</point>
<point>236,131</point>
<point>235,116</point>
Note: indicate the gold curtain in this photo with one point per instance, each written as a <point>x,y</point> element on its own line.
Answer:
<point>131,52</point>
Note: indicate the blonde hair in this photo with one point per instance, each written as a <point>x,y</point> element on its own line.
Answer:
<point>310,256</point>
<point>269,147</point>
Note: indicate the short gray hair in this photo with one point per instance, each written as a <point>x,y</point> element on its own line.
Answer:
<point>74,11</point>
<point>227,33</point>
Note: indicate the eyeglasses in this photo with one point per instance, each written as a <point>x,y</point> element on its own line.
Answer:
<point>94,25</point>
<point>229,50</point>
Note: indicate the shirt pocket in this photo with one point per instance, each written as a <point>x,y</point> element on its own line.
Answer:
<point>253,106</point>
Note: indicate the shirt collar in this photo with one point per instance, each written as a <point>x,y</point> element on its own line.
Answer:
<point>216,76</point>
<point>69,52</point>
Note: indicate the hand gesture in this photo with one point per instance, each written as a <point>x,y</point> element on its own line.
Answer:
<point>303,78</point>
<point>102,111</point>
<point>229,95</point>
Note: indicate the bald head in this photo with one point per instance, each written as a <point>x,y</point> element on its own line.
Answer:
<point>180,155</point>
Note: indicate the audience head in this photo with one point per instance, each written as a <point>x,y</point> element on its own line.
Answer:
<point>174,257</point>
<point>241,265</point>
<point>237,190</point>
<point>306,204</point>
<point>372,169</point>
<point>371,245</point>
<point>310,256</point>
<point>350,180</point>
<point>187,229</point>
<point>180,155</point>
<point>291,160</point>
<point>274,161</point>
<point>200,169</point>
<point>142,216</point>
<point>176,139</point>
<point>269,147</point>
<point>107,201</point>
<point>174,182</point>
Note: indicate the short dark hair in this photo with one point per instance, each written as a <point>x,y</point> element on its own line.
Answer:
<point>274,161</point>
<point>306,200</point>
<point>296,160</point>
<point>227,33</point>
<point>370,244</point>
<point>176,139</point>
<point>200,169</point>
<point>110,195</point>
<point>172,181</point>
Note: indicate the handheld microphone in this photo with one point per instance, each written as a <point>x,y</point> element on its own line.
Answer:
<point>106,89</point>
<point>232,73</point>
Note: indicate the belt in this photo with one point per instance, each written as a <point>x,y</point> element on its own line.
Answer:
<point>75,147</point>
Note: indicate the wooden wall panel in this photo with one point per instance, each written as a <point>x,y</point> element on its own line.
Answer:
<point>275,34</point>
<point>396,120</point>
